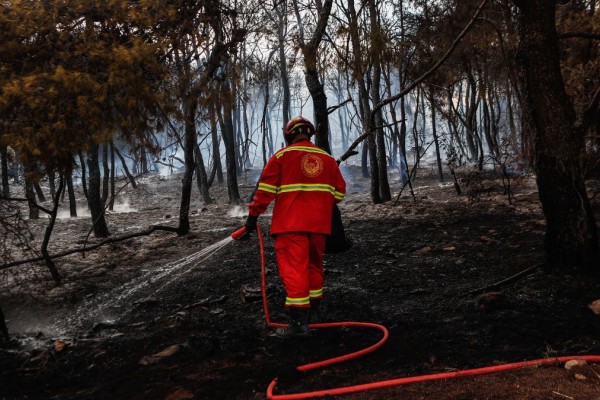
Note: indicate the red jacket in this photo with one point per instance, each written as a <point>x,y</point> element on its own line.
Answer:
<point>305,182</point>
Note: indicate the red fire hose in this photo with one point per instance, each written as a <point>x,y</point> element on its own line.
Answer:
<point>381,384</point>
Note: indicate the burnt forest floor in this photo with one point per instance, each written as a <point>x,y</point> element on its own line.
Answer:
<point>139,320</point>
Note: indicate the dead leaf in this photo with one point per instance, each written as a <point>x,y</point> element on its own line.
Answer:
<point>595,306</point>
<point>59,345</point>
<point>180,394</point>
<point>486,239</point>
<point>422,251</point>
<point>155,358</point>
<point>169,351</point>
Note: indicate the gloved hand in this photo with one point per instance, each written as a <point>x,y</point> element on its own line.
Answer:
<point>250,223</point>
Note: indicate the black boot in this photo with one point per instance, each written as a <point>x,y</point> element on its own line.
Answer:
<point>298,325</point>
<point>315,311</point>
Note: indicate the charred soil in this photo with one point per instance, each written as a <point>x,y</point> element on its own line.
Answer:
<point>139,320</point>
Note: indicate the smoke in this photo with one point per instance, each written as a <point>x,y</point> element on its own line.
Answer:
<point>238,211</point>
<point>119,207</point>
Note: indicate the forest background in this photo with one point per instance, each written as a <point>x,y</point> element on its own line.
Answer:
<point>205,86</point>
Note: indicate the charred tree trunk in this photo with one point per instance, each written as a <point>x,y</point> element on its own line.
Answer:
<point>126,169</point>
<point>94,199</point>
<point>4,171</point>
<point>376,47</point>
<point>34,211</point>
<point>105,174</point>
<point>83,175</point>
<point>313,80</point>
<point>71,192</point>
<point>111,203</point>
<point>189,111</point>
<point>436,141</point>
<point>217,168</point>
<point>571,240</point>
<point>49,228</point>
<point>201,176</point>
<point>283,69</point>
<point>229,141</point>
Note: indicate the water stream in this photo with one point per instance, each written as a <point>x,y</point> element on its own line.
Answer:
<point>109,307</point>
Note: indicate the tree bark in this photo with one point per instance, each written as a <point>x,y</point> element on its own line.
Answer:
<point>4,171</point>
<point>49,228</point>
<point>229,141</point>
<point>571,239</point>
<point>94,199</point>
<point>126,169</point>
<point>71,191</point>
<point>189,111</point>
<point>313,81</point>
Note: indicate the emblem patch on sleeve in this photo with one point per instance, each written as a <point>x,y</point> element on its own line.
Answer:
<point>311,165</point>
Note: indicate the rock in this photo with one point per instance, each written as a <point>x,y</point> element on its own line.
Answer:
<point>575,364</point>
<point>492,301</point>
<point>250,294</point>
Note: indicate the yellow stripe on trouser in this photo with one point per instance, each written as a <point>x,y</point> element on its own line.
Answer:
<point>297,302</point>
<point>315,294</point>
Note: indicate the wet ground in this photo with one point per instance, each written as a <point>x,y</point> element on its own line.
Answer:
<point>164,317</point>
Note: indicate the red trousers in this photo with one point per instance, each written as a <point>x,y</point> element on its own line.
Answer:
<point>300,261</point>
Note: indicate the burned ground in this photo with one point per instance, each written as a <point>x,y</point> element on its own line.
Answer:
<point>177,328</point>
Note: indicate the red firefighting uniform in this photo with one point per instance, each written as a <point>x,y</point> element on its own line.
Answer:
<point>305,182</point>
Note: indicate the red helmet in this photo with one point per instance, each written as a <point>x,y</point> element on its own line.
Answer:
<point>298,125</point>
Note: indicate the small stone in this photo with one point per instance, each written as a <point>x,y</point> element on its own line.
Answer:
<point>574,364</point>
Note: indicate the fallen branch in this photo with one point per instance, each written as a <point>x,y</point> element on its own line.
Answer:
<point>91,247</point>
<point>506,281</point>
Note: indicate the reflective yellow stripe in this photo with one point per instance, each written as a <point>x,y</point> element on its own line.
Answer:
<point>316,293</point>
<point>306,187</point>
<point>267,188</point>
<point>302,148</point>
<point>339,195</point>
<point>300,301</point>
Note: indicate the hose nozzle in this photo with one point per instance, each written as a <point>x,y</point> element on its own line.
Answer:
<point>239,233</point>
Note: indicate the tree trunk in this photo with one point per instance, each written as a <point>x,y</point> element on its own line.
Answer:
<point>229,141</point>
<point>71,191</point>
<point>94,199</point>
<point>4,171</point>
<point>376,46</point>
<point>313,82</point>
<point>105,174</point>
<point>217,168</point>
<point>436,141</point>
<point>189,111</point>
<point>83,175</point>
<point>34,211</point>
<point>283,69</point>
<point>201,176</point>
<point>49,228</point>
<point>126,169</point>
<point>111,203</point>
<point>571,240</point>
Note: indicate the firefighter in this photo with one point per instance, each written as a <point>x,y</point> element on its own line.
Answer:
<point>305,182</point>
